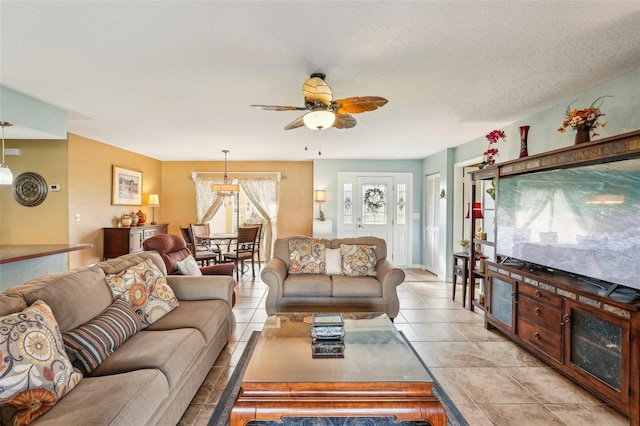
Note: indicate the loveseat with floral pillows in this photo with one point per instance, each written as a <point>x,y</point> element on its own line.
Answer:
<point>118,343</point>
<point>331,275</point>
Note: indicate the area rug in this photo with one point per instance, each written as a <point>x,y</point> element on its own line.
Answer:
<point>221,414</point>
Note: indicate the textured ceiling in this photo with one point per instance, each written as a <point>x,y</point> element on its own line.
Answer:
<point>173,80</point>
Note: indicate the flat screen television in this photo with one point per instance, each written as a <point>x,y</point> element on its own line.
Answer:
<point>583,220</point>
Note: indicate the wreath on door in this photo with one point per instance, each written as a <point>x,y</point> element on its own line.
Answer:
<point>374,199</point>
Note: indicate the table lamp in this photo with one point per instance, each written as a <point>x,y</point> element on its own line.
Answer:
<point>320,197</point>
<point>154,202</point>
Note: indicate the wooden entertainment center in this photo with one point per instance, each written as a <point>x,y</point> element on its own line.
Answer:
<point>591,337</point>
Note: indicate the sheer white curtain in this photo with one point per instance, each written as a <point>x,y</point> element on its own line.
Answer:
<point>262,191</point>
<point>207,201</point>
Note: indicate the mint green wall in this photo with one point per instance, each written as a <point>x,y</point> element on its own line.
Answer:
<point>325,176</point>
<point>622,113</point>
<point>24,111</point>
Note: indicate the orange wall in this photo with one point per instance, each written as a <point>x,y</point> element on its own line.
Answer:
<point>178,198</point>
<point>47,222</point>
<point>83,168</point>
<point>90,177</point>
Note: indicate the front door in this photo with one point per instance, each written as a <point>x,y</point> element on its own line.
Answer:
<point>380,205</point>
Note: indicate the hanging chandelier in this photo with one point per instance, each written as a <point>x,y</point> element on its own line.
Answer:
<point>225,188</point>
<point>6,176</point>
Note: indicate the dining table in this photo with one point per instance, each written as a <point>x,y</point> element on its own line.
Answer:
<point>218,240</point>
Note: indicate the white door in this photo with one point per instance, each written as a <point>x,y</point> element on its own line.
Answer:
<point>374,208</point>
<point>392,219</point>
<point>432,222</point>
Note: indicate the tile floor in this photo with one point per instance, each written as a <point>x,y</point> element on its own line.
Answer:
<point>490,379</point>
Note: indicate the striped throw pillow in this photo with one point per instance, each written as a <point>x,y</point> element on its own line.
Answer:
<point>91,343</point>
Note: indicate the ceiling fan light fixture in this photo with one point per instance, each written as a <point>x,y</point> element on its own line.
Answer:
<point>319,119</point>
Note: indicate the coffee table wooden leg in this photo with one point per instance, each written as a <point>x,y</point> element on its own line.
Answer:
<point>241,415</point>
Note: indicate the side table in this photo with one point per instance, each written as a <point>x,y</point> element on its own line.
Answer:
<point>460,269</point>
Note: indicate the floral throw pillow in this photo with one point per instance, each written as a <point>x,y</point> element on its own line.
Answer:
<point>35,371</point>
<point>306,256</point>
<point>146,289</point>
<point>358,260</point>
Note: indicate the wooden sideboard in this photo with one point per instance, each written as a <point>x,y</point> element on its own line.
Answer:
<point>119,241</point>
<point>590,337</point>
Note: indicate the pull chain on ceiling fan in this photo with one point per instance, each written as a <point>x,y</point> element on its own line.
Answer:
<point>324,112</point>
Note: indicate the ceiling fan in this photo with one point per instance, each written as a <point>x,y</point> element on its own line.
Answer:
<point>324,112</point>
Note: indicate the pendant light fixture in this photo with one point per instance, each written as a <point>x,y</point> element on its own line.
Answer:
<point>225,188</point>
<point>6,176</point>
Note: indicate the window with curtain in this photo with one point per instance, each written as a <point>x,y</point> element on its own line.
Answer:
<point>257,202</point>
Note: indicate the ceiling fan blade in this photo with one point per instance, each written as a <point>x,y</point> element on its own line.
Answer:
<point>344,121</point>
<point>279,108</point>
<point>358,104</point>
<point>298,122</point>
<point>315,89</point>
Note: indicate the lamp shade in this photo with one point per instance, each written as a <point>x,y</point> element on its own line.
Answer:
<point>6,176</point>
<point>225,188</point>
<point>477,211</point>
<point>320,196</point>
<point>154,200</point>
<point>319,119</point>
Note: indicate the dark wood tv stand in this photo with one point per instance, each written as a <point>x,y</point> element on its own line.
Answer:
<point>591,337</point>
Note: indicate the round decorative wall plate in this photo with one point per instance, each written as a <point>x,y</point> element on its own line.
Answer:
<point>29,189</point>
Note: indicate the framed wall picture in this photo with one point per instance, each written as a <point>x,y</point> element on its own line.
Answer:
<point>126,188</point>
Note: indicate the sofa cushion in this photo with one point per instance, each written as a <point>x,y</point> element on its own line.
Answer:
<point>132,398</point>
<point>75,296</point>
<point>11,303</point>
<point>307,285</point>
<point>91,343</point>
<point>170,351</point>
<point>204,315</point>
<point>146,289</point>
<point>189,266</point>
<point>333,263</point>
<point>358,260</point>
<point>35,371</point>
<point>306,256</point>
<point>346,286</point>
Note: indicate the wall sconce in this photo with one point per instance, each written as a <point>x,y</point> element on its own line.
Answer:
<point>477,211</point>
<point>320,196</point>
<point>154,201</point>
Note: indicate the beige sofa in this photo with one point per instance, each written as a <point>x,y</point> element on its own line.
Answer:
<point>154,375</point>
<point>332,293</point>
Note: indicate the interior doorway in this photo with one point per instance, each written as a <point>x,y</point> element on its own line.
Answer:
<point>432,224</point>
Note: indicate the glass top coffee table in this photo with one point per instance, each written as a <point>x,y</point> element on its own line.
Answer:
<point>376,375</point>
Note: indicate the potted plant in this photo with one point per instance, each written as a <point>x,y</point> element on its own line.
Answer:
<point>464,243</point>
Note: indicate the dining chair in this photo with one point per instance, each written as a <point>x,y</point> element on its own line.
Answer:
<point>201,253</point>
<point>258,236</point>
<point>245,250</point>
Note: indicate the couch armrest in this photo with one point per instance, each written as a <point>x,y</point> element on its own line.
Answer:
<point>390,277</point>
<point>273,274</point>
<point>220,269</point>
<point>206,287</point>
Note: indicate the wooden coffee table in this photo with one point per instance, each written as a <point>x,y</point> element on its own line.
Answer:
<point>379,376</point>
